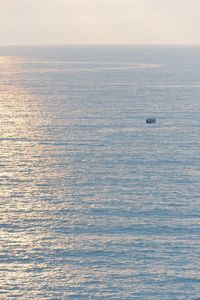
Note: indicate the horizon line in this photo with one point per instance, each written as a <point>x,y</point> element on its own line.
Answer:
<point>96,44</point>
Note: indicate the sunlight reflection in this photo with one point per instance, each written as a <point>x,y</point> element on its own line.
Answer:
<point>26,176</point>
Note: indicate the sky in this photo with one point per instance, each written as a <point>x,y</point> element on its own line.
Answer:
<point>99,21</point>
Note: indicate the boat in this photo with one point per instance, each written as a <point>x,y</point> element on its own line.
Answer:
<point>150,120</point>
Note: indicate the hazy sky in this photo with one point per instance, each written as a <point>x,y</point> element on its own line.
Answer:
<point>99,21</point>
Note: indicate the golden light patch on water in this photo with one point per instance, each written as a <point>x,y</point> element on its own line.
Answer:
<point>7,60</point>
<point>27,192</point>
<point>19,168</point>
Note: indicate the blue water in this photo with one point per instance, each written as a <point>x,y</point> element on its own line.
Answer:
<point>94,202</point>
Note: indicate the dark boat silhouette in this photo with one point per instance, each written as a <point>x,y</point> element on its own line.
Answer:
<point>150,120</point>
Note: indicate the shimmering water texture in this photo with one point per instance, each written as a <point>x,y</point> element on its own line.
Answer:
<point>95,203</point>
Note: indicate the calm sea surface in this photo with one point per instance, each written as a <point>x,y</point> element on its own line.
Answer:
<point>94,202</point>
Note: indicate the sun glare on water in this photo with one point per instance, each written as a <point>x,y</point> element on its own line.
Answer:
<point>22,178</point>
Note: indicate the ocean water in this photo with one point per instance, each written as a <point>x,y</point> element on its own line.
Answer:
<point>94,202</point>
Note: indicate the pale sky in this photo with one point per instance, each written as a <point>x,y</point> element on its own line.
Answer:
<point>99,21</point>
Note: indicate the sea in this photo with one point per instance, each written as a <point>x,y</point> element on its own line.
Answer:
<point>96,204</point>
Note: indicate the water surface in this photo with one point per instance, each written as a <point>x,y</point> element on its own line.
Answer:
<point>95,203</point>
